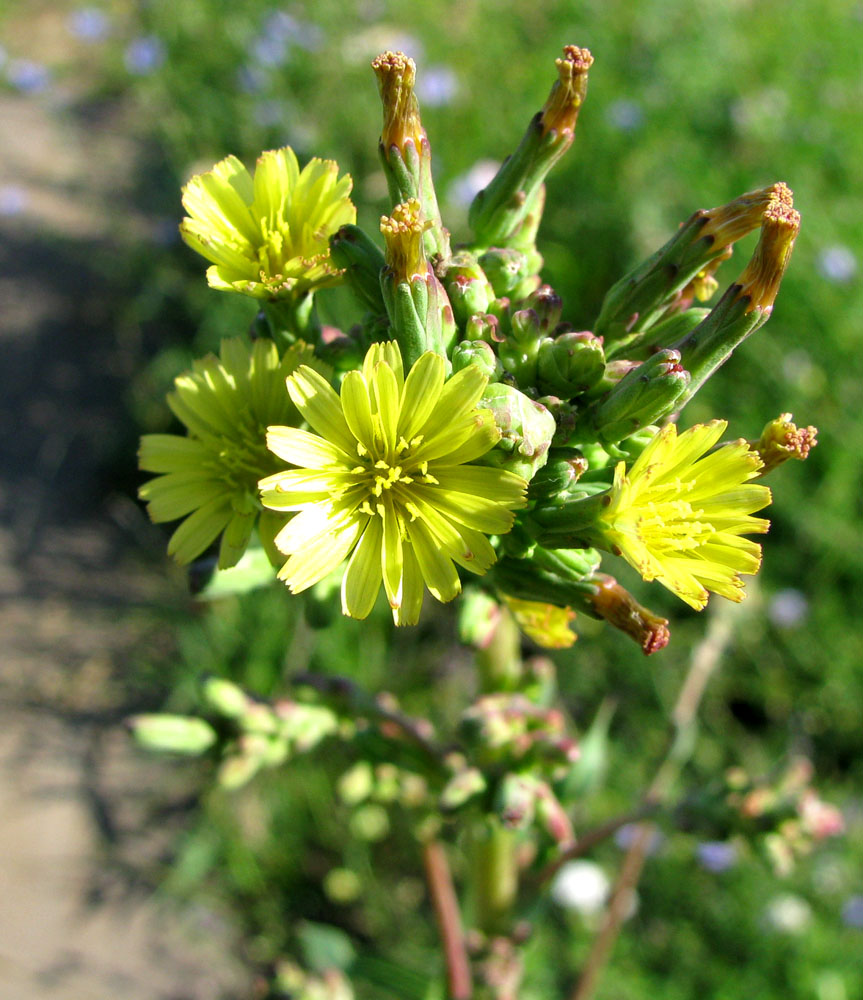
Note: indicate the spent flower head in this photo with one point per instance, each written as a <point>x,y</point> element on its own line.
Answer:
<point>209,477</point>
<point>678,515</point>
<point>386,480</point>
<point>268,236</point>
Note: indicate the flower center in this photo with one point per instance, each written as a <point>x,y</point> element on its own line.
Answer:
<point>390,478</point>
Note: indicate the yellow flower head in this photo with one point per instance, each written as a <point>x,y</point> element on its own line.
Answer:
<point>210,477</point>
<point>268,236</point>
<point>385,480</point>
<point>678,517</point>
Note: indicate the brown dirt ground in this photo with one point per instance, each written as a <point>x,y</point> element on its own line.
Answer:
<point>79,804</point>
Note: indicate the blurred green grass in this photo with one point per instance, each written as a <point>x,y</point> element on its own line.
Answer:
<point>688,106</point>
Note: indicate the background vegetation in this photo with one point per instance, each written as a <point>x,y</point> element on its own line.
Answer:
<point>688,106</point>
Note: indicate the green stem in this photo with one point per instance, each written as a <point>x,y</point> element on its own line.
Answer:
<point>499,663</point>
<point>290,321</point>
<point>495,876</point>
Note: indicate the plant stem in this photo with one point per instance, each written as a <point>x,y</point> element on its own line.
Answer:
<point>499,664</point>
<point>442,892</point>
<point>705,659</point>
<point>494,872</point>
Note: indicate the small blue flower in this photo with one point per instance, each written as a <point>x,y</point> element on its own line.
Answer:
<point>788,608</point>
<point>90,24</point>
<point>837,264</point>
<point>626,835</point>
<point>852,912</point>
<point>28,76</point>
<point>251,79</point>
<point>13,199</point>
<point>437,85</point>
<point>270,50</point>
<point>144,55</point>
<point>716,855</point>
<point>626,116</point>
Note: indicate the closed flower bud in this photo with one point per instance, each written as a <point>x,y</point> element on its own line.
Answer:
<point>560,473</point>
<point>614,372</point>
<point>224,697</point>
<point>484,326</point>
<point>461,788</point>
<point>467,286</point>
<point>643,396</point>
<point>526,428</point>
<point>505,268</point>
<point>479,353</point>
<point>570,364</point>
<point>547,305</point>
<point>173,733</point>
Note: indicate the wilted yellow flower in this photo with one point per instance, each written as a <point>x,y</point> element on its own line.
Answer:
<point>547,624</point>
<point>385,480</point>
<point>269,236</point>
<point>210,477</point>
<point>678,517</point>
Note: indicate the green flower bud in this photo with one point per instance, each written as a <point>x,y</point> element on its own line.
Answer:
<point>362,261</point>
<point>548,306</point>
<point>505,268</point>
<point>483,327</point>
<point>570,364</point>
<point>564,414</point>
<point>461,788</point>
<point>225,698</point>
<point>479,353</point>
<point>556,576</point>
<point>526,430</point>
<point>642,397</point>
<point>478,618</point>
<point>467,286</point>
<point>562,470</point>
<point>552,817</point>
<point>173,733</point>
<point>515,801</point>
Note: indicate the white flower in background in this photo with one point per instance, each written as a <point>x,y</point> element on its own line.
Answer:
<point>788,914</point>
<point>581,886</point>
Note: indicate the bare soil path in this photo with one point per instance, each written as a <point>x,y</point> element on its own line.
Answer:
<point>76,603</point>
